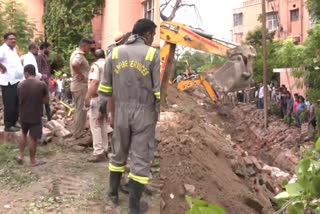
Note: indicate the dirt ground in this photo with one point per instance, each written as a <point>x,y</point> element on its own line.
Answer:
<point>200,158</point>
<point>66,184</point>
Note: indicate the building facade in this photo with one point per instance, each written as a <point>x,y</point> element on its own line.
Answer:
<point>118,15</point>
<point>287,18</point>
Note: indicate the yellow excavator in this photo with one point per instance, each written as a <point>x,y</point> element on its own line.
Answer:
<point>234,75</point>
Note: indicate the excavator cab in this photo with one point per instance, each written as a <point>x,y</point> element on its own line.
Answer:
<point>234,75</point>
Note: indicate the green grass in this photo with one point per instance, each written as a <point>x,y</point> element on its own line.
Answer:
<point>7,154</point>
<point>17,175</point>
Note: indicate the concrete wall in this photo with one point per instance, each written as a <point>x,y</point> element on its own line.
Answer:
<point>291,82</point>
<point>120,15</point>
<point>97,30</point>
<point>34,10</point>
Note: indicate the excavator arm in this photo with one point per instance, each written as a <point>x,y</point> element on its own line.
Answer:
<point>234,75</point>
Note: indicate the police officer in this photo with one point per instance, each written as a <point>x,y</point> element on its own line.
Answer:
<point>132,77</point>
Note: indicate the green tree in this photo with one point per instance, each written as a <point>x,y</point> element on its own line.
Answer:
<point>200,61</point>
<point>254,38</point>
<point>13,18</point>
<point>314,8</point>
<point>67,22</point>
<point>311,64</point>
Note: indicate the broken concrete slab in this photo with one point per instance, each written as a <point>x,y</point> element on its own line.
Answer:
<point>58,129</point>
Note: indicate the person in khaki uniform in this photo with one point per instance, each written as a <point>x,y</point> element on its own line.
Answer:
<point>79,67</point>
<point>99,131</point>
<point>132,78</point>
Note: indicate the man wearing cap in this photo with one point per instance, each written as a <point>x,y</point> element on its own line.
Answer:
<point>99,131</point>
<point>132,78</point>
<point>118,37</point>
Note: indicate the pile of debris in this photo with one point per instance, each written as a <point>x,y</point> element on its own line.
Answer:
<point>199,158</point>
<point>279,145</point>
<point>59,126</point>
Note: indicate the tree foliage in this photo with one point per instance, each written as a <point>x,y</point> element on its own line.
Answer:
<point>199,61</point>
<point>67,22</point>
<point>311,64</point>
<point>303,194</point>
<point>14,19</point>
<point>314,8</point>
<point>254,38</point>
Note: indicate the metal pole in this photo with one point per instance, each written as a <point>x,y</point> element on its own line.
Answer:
<point>264,53</point>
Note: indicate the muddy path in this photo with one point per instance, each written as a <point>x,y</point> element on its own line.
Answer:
<point>66,184</point>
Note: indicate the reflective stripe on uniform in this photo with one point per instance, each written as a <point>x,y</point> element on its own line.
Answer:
<point>113,168</point>
<point>140,179</point>
<point>105,88</point>
<point>150,54</point>
<point>115,53</point>
<point>157,94</point>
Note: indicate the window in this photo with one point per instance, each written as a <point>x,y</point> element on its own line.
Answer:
<point>148,9</point>
<point>294,15</point>
<point>237,19</point>
<point>272,21</point>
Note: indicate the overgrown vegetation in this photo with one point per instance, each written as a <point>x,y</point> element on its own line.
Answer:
<point>14,19</point>
<point>198,61</point>
<point>67,22</point>
<point>13,174</point>
<point>254,38</point>
<point>303,194</point>
<point>198,206</point>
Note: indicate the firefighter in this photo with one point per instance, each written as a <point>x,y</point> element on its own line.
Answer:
<point>132,78</point>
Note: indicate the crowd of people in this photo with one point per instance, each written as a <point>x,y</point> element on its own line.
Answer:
<point>121,89</point>
<point>294,108</point>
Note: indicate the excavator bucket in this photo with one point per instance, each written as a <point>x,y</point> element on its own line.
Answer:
<point>236,74</point>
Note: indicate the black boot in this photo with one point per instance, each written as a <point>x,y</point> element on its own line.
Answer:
<point>135,193</point>
<point>114,182</point>
<point>124,188</point>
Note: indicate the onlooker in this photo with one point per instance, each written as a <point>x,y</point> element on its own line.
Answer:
<point>312,116</point>
<point>44,69</point>
<point>290,103</point>
<point>66,93</point>
<point>59,87</point>
<point>99,131</point>
<point>283,101</point>
<point>11,73</point>
<point>32,94</point>
<point>301,108</point>
<point>307,102</point>
<point>52,86</point>
<point>261,96</point>
<point>43,64</point>
<point>30,58</point>
<point>79,67</point>
<point>296,103</point>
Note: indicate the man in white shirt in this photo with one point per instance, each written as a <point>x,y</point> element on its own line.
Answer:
<point>11,73</point>
<point>59,87</point>
<point>30,58</point>
<point>261,96</point>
